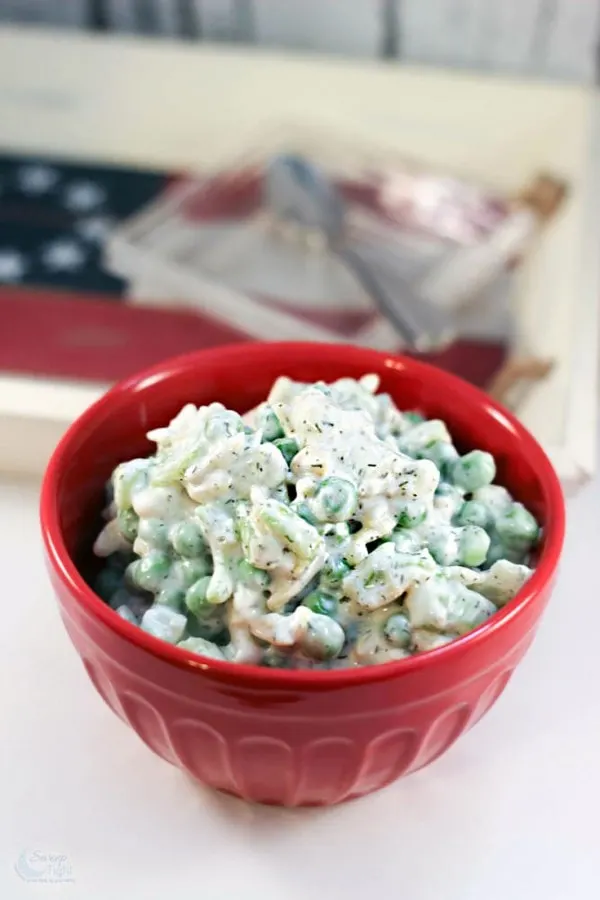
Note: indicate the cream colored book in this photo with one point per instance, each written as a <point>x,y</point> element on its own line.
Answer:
<point>169,105</point>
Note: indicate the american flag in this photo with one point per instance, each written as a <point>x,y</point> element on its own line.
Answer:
<point>56,216</point>
<point>64,314</point>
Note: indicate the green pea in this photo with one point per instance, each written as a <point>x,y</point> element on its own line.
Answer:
<point>171,596</point>
<point>324,638</point>
<point>334,572</point>
<point>187,539</point>
<point>474,544</point>
<point>128,524</point>
<point>270,425</point>
<point>287,447</point>
<point>196,597</point>
<point>473,513</point>
<point>442,454</point>
<point>202,647</point>
<point>498,550</point>
<point>189,571</point>
<point>516,527</point>
<point>321,603</point>
<point>474,470</point>
<point>414,417</point>
<point>150,571</point>
<point>252,576</point>
<point>154,532</point>
<point>121,597</point>
<point>304,511</point>
<point>107,582</point>
<point>209,625</point>
<point>336,500</point>
<point>412,516</point>
<point>397,630</point>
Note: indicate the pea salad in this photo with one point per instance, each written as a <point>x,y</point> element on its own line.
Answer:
<point>323,529</point>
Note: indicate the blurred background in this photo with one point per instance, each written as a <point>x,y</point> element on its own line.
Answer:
<point>151,154</point>
<point>544,38</point>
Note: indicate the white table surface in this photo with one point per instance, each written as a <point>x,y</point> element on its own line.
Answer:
<point>510,813</point>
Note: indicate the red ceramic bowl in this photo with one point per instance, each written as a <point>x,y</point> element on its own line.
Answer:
<point>293,738</point>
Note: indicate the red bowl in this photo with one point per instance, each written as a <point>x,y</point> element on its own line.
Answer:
<point>275,736</point>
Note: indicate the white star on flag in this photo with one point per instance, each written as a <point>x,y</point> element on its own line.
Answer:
<point>83,196</point>
<point>95,228</point>
<point>12,265</point>
<point>63,256</point>
<point>36,179</point>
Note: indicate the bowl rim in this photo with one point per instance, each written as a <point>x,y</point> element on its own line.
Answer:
<point>63,566</point>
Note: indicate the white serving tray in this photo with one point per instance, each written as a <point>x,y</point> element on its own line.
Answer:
<point>175,106</point>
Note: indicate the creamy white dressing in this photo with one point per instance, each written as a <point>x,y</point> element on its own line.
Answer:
<point>386,574</point>
<point>343,443</point>
<point>446,606</point>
